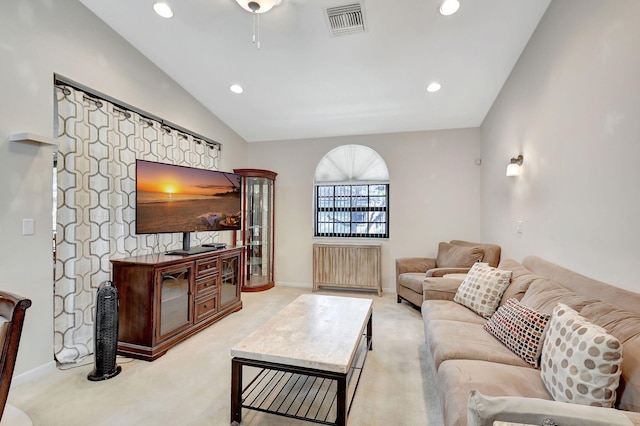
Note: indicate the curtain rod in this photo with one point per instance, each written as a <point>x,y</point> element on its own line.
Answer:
<point>59,79</point>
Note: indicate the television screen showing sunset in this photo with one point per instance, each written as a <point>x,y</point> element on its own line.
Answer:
<point>171,198</point>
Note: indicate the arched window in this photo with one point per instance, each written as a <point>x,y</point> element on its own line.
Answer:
<point>351,194</point>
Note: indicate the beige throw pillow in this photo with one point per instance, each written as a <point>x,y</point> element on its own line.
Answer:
<point>580,360</point>
<point>482,289</point>
<point>450,256</point>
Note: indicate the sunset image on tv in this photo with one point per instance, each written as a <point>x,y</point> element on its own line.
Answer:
<point>184,199</point>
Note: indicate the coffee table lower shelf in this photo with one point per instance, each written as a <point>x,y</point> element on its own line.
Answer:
<point>312,395</point>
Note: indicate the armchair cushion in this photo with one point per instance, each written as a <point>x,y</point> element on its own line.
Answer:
<point>452,256</point>
<point>412,281</point>
<point>441,272</point>
<point>491,251</point>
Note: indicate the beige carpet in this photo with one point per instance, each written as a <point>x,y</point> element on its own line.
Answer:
<point>190,385</point>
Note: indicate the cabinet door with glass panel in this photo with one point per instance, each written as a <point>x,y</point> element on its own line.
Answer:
<point>257,228</point>
<point>230,278</point>
<point>174,302</point>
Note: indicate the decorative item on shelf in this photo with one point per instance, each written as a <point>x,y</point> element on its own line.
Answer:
<point>257,7</point>
<point>258,189</point>
<point>514,167</point>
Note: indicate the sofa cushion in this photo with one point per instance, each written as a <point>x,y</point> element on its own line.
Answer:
<point>439,288</point>
<point>460,340</point>
<point>584,285</point>
<point>451,256</point>
<point>456,378</point>
<point>450,311</point>
<point>520,329</point>
<point>620,322</point>
<point>625,326</point>
<point>482,289</point>
<point>580,360</point>
<point>629,388</point>
<point>543,295</point>
<point>521,279</point>
<point>484,410</point>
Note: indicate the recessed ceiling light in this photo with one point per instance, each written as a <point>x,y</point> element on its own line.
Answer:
<point>433,87</point>
<point>449,7</point>
<point>236,88</point>
<point>163,9</point>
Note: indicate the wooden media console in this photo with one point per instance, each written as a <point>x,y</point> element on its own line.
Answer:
<point>164,299</point>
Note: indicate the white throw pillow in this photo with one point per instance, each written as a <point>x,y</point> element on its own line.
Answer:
<point>482,289</point>
<point>580,360</point>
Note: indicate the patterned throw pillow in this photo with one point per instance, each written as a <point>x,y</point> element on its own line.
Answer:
<point>482,289</point>
<point>520,328</point>
<point>580,360</point>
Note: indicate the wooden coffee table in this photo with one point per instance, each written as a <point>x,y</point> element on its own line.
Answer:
<point>305,362</point>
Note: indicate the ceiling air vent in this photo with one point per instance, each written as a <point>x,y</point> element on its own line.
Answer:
<point>346,19</point>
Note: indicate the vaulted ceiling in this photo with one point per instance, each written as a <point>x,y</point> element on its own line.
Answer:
<point>304,82</point>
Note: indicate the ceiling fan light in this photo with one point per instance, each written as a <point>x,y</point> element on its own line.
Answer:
<point>449,7</point>
<point>263,6</point>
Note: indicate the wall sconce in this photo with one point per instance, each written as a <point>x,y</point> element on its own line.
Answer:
<point>513,168</point>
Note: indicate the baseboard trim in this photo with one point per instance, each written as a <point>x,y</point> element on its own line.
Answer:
<point>294,284</point>
<point>34,374</point>
<point>310,286</point>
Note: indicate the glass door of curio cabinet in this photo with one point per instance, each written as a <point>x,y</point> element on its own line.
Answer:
<point>257,227</point>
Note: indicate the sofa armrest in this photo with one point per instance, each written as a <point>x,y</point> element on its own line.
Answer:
<point>414,264</point>
<point>439,272</point>
<point>484,410</point>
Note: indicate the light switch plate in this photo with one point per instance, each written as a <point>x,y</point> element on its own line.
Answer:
<point>28,226</point>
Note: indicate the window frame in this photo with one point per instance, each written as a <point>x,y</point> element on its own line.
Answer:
<point>351,209</point>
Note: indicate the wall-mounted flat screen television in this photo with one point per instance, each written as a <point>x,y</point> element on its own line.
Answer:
<point>171,198</point>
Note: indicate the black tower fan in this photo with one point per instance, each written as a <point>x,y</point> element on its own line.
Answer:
<point>105,333</point>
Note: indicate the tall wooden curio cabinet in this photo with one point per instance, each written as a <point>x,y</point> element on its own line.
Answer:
<point>257,228</point>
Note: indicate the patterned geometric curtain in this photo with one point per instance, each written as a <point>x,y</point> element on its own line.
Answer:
<point>98,144</point>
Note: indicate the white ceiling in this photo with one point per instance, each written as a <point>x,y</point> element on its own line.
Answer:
<point>305,83</point>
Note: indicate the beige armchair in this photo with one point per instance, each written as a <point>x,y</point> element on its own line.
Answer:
<point>454,257</point>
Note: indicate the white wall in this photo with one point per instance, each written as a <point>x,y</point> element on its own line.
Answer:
<point>38,39</point>
<point>572,107</point>
<point>434,195</point>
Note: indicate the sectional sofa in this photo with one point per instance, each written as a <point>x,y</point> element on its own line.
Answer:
<point>480,379</point>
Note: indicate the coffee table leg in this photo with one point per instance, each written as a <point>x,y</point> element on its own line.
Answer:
<point>341,417</point>
<point>236,391</point>
<point>370,332</point>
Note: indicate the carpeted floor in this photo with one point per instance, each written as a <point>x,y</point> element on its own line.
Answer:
<point>190,385</point>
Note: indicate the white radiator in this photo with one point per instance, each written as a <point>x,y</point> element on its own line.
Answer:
<point>347,265</point>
